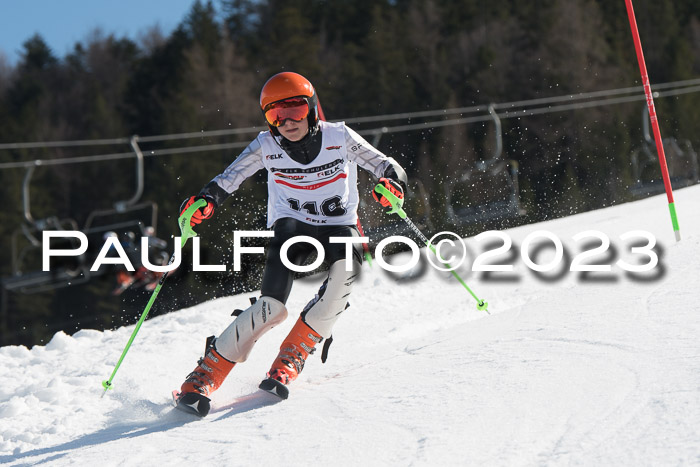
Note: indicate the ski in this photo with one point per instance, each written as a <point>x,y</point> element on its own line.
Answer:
<point>275,387</point>
<point>192,402</point>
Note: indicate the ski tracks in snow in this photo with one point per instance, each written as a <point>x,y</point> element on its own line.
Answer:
<point>561,373</point>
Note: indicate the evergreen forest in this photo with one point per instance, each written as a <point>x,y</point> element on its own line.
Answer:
<point>365,58</point>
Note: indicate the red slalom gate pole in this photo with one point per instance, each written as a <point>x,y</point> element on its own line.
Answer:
<point>654,120</point>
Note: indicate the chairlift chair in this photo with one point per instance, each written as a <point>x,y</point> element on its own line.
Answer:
<point>681,158</point>
<point>120,218</point>
<point>496,172</point>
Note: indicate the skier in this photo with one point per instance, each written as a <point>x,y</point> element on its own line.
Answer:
<point>312,191</point>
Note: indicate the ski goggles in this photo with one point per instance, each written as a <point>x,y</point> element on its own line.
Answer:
<point>279,112</point>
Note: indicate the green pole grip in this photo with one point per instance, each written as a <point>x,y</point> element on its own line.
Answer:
<point>395,201</point>
<point>184,221</point>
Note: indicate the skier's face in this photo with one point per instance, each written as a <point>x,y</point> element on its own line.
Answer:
<point>294,131</point>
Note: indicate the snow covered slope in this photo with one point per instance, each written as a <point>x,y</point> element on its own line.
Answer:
<point>595,370</point>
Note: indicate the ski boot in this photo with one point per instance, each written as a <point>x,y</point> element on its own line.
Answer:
<point>211,371</point>
<point>294,351</point>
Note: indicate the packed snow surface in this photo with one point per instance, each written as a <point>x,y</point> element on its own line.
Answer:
<point>570,368</point>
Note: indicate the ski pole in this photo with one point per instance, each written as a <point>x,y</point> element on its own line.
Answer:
<point>654,120</point>
<point>187,232</point>
<point>397,208</point>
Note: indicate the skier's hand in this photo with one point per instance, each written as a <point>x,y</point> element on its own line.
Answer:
<point>391,185</point>
<point>200,214</point>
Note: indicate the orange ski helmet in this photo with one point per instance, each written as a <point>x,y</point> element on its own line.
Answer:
<point>287,85</point>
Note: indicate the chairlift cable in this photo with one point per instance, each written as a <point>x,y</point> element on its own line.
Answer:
<point>508,111</point>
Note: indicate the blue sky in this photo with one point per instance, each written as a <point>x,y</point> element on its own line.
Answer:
<point>62,23</point>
